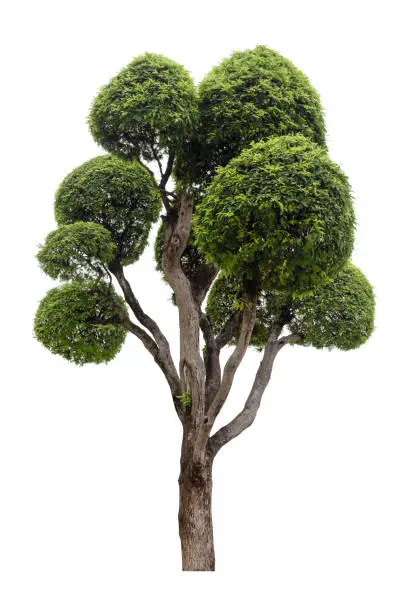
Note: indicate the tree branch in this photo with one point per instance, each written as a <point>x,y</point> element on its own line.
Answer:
<point>192,371</point>
<point>166,175</point>
<point>228,330</point>
<point>247,416</point>
<point>161,341</point>
<point>201,283</point>
<point>211,360</point>
<point>153,349</point>
<point>247,326</point>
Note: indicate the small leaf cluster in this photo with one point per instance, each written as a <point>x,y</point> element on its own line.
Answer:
<point>250,96</point>
<point>119,195</point>
<point>81,321</point>
<point>150,104</point>
<point>281,211</point>
<point>80,250</point>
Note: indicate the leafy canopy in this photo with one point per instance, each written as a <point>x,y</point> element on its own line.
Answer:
<point>79,250</point>
<point>281,211</point>
<point>119,195</point>
<point>81,321</point>
<point>150,103</point>
<point>250,96</point>
<point>271,209</point>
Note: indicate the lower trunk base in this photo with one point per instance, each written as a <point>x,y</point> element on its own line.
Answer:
<point>195,520</point>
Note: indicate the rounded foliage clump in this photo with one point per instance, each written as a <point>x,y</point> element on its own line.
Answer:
<point>118,194</point>
<point>152,103</point>
<point>81,321</point>
<point>339,314</point>
<point>226,298</point>
<point>250,96</point>
<point>280,212</point>
<point>79,250</point>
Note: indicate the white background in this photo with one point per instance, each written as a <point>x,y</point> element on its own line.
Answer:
<point>311,503</point>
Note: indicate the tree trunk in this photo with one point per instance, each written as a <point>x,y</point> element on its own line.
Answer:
<point>195,520</point>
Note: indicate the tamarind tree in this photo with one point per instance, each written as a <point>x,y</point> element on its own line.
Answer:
<point>254,241</point>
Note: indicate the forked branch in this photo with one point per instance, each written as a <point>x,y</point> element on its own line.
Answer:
<point>161,342</point>
<point>247,326</point>
<point>247,415</point>
<point>153,349</point>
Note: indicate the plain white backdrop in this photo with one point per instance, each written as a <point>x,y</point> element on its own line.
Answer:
<point>311,503</point>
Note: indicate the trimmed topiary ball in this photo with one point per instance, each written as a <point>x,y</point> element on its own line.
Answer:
<point>79,250</point>
<point>118,194</point>
<point>151,102</point>
<point>81,321</point>
<point>250,96</point>
<point>281,212</point>
<point>339,314</point>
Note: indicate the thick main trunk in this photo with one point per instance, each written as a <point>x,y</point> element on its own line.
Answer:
<point>195,520</point>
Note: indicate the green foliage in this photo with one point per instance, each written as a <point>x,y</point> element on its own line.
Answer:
<point>280,212</point>
<point>75,251</point>
<point>250,96</point>
<point>118,194</point>
<point>339,314</point>
<point>225,298</point>
<point>150,103</point>
<point>81,321</point>
<point>186,399</point>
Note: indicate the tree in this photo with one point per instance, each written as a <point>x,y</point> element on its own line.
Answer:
<point>254,241</point>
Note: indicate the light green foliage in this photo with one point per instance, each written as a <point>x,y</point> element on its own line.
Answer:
<point>118,194</point>
<point>250,96</point>
<point>186,399</point>
<point>280,212</point>
<point>339,314</point>
<point>81,321</point>
<point>151,102</point>
<point>225,298</point>
<point>79,250</point>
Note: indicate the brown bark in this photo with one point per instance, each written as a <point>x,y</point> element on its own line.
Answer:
<point>195,518</point>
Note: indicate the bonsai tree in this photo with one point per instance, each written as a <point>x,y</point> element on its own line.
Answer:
<point>254,241</point>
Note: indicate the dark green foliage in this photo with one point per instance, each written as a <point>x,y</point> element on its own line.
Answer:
<point>118,194</point>
<point>152,103</point>
<point>281,212</point>
<point>339,314</point>
<point>79,250</point>
<point>225,298</point>
<point>250,96</point>
<point>81,321</point>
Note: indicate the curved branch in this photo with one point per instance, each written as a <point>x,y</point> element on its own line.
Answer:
<point>161,341</point>
<point>247,415</point>
<point>192,371</point>
<point>247,326</point>
<point>211,360</point>
<point>153,349</point>
<point>228,330</point>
